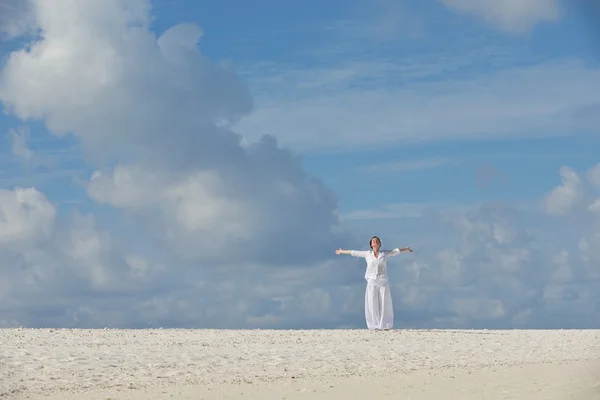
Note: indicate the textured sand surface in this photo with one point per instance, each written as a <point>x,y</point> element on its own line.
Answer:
<point>319,364</point>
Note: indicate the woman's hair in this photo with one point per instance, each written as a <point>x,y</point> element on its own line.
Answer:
<point>371,241</point>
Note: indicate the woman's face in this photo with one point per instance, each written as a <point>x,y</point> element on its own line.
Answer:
<point>375,243</point>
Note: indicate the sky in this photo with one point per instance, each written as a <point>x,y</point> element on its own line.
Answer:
<point>195,164</point>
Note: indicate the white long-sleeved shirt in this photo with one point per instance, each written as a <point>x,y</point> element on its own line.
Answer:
<point>376,266</point>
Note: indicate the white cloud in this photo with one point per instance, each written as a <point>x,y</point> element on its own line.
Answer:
<point>512,16</point>
<point>498,264</point>
<point>152,115</point>
<point>26,216</point>
<point>76,275</point>
<point>176,165</point>
<point>562,267</point>
<point>563,198</point>
<point>594,176</point>
<point>595,206</point>
<point>201,216</point>
<point>127,187</point>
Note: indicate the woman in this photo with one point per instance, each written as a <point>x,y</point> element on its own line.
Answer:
<point>379,311</point>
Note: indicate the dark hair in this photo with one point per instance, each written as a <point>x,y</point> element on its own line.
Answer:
<point>371,240</point>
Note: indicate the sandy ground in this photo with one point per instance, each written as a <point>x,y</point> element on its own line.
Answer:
<point>314,364</point>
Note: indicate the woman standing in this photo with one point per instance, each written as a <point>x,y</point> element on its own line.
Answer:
<point>379,311</point>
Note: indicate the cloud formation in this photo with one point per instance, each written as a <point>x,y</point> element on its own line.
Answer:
<point>164,124</point>
<point>563,198</point>
<point>501,264</point>
<point>153,115</point>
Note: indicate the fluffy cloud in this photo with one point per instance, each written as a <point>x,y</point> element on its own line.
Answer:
<point>502,264</point>
<point>594,176</point>
<point>166,124</point>
<point>27,216</point>
<point>514,16</point>
<point>263,208</point>
<point>153,115</point>
<point>563,198</point>
<point>44,261</point>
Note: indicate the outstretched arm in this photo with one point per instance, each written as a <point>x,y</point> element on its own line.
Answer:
<point>397,251</point>
<point>354,253</point>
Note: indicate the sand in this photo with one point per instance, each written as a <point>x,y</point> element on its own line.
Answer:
<point>313,364</point>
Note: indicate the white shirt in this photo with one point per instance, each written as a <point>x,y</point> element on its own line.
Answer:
<point>376,266</point>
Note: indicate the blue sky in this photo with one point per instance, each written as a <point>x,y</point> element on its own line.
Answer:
<point>467,130</point>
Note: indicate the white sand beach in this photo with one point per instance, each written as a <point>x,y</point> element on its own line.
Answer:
<point>312,364</point>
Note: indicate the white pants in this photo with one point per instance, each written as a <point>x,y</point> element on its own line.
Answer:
<point>379,311</point>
